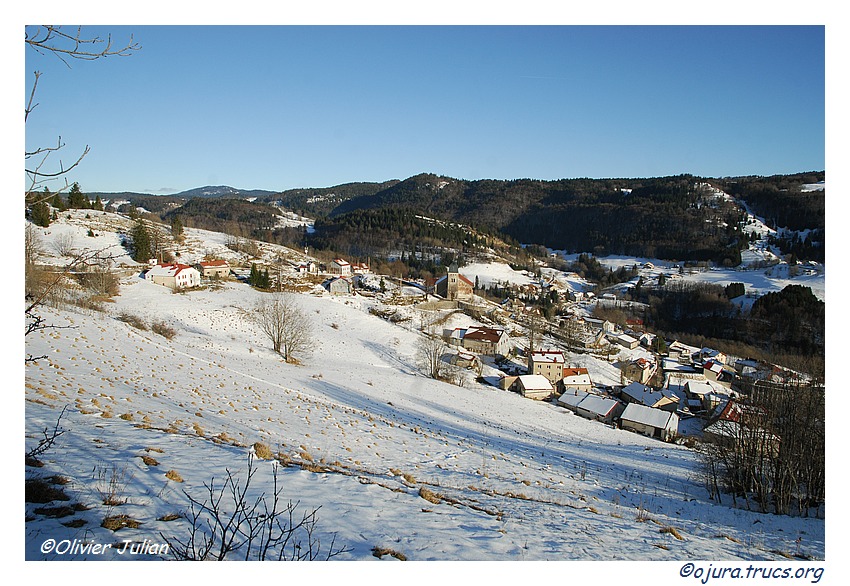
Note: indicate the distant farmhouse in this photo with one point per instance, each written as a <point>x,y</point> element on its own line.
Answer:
<point>340,286</point>
<point>214,269</point>
<point>487,341</point>
<point>340,267</point>
<point>175,276</point>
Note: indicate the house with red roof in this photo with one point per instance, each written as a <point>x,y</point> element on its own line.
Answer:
<point>174,275</point>
<point>214,269</point>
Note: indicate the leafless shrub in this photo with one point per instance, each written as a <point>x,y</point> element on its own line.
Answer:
<point>63,244</point>
<point>111,484</point>
<point>49,437</point>
<point>284,323</point>
<point>230,522</point>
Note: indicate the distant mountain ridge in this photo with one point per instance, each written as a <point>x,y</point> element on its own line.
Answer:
<point>674,217</point>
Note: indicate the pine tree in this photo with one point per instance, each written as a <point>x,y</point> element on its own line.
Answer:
<point>58,202</point>
<point>76,198</point>
<point>41,214</point>
<point>142,246</point>
<point>176,228</point>
<point>97,205</point>
<point>252,278</point>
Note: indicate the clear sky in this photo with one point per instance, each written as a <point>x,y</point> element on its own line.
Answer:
<point>278,107</point>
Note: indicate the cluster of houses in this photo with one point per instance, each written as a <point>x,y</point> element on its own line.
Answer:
<point>182,276</point>
<point>698,382</point>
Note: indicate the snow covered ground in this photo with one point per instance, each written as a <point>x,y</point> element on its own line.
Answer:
<point>518,479</point>
<point>365,431</point>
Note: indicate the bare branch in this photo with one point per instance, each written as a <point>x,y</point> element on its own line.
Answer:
<point>53,40</point>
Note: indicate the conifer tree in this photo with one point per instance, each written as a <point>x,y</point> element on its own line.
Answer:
<point>76,199</point>
<point>41,214</point>
<point>142,246</point>
<point>58,202</point>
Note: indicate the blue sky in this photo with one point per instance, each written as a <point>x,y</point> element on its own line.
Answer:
<point>280,107</point>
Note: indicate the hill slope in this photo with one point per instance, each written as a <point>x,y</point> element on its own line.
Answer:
<point>518,479</point>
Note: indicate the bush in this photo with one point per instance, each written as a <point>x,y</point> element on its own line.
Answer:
<point>163,329</point>
<point>133,320</point>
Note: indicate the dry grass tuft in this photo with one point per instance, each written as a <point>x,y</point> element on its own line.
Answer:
<point>163,329</point>
<point>75,524</point>
<point>116,522</point>
<point>672,531</point>
<point>380,552</point>
<point>263,451</point>
<point>429,496</point>
<point>174,475</point>
<point>40,490</point>
<point>169,517</point>
<point>133,320</point>
<point>148,460</point>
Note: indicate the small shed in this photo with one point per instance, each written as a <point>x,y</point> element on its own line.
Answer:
<point>650,422</point>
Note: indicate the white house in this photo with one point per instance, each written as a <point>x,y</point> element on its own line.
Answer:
<point>576,379</point>
<point>214,269</point>
<point>340,267</point>
<point>533,386</point>
<point>483,340</point>
<point>650,422</point>
<point>176,276</point>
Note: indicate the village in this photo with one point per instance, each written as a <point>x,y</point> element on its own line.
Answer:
<point>575,411</point>
<point>684,392</point>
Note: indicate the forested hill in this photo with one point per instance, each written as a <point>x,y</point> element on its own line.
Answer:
<point>667,217</point>
<point>321,201</point>
<point>675,218</point>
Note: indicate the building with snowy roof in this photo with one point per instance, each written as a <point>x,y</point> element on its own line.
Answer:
<point>175,276</point>
<point>650,422</point>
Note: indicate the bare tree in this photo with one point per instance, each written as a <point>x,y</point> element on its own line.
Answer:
<point>66,46</point>
<point>284,323</point>
<point>429,354</point>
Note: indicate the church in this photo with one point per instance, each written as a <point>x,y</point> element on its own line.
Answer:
<point>454,286</point>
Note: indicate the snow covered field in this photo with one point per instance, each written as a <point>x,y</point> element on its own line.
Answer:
<point>365,432</point>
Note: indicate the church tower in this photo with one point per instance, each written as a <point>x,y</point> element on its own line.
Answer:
<point>452,282</point>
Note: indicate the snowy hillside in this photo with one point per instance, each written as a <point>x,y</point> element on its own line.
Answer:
<point>367,436</point>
